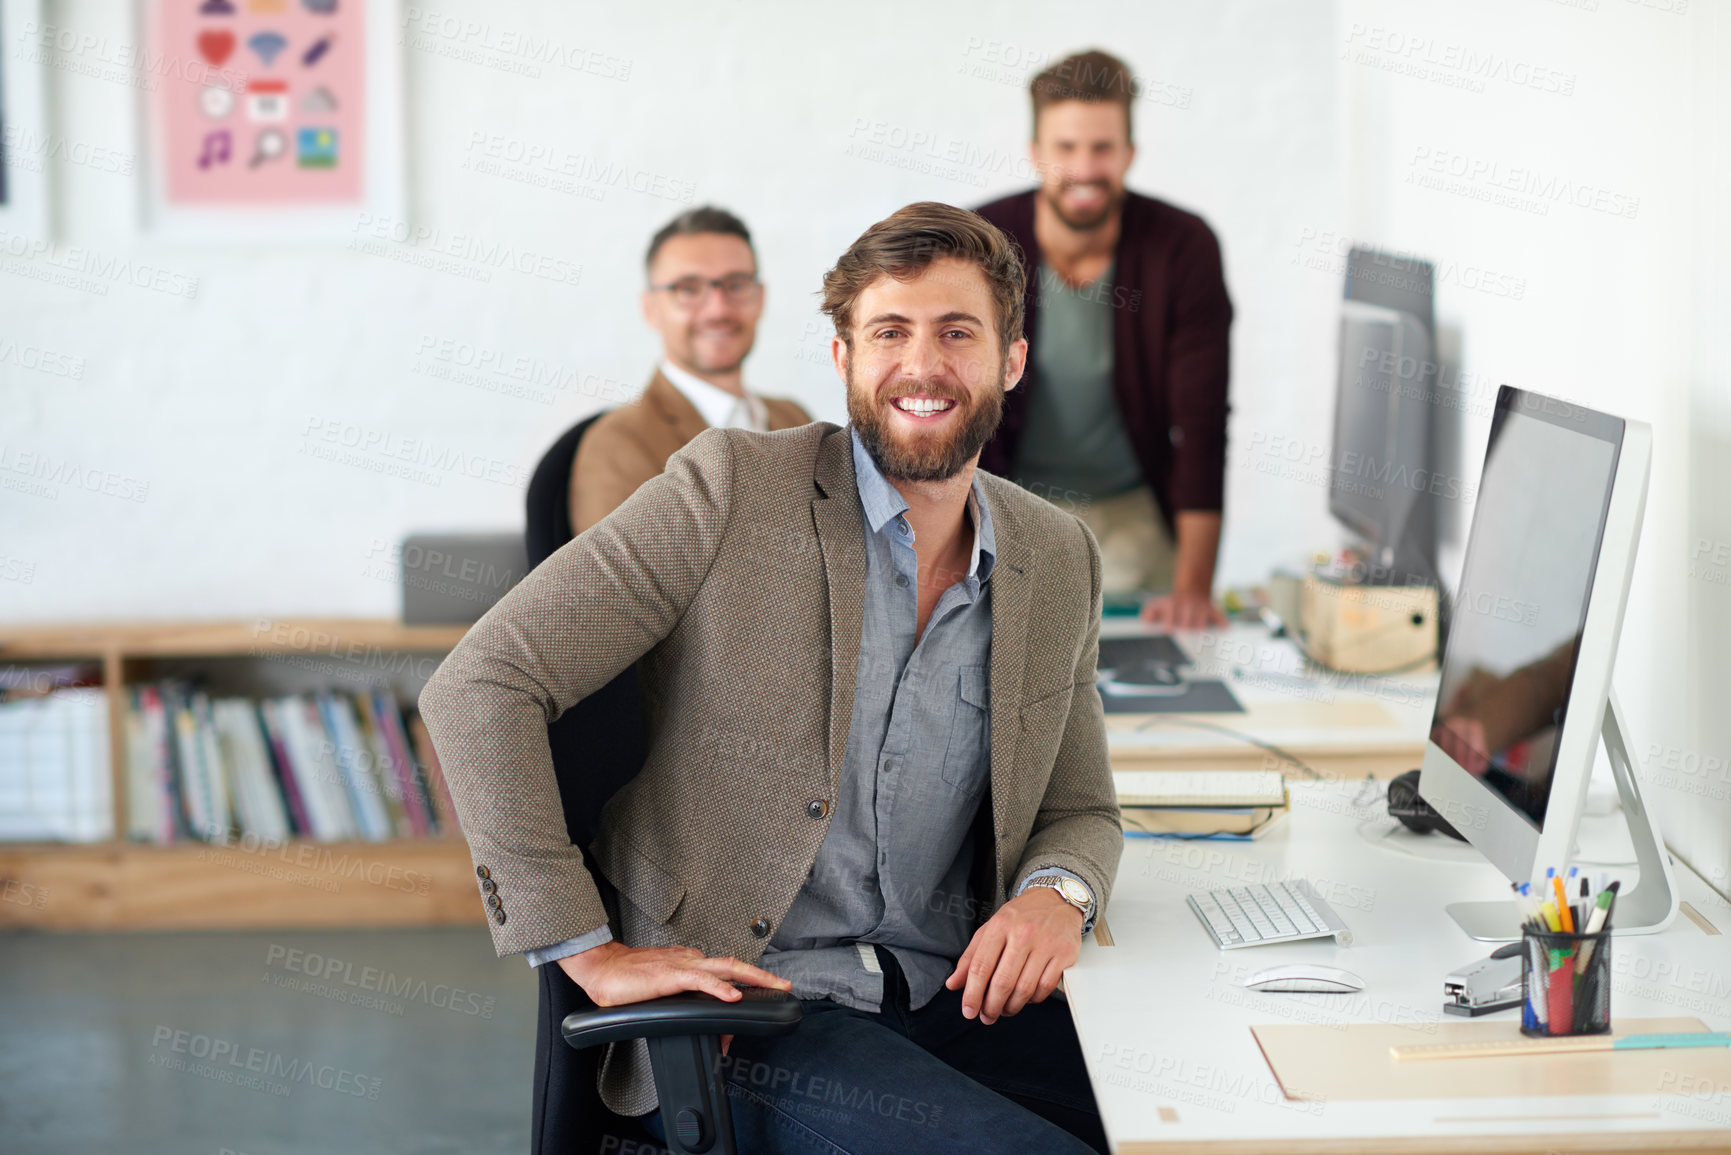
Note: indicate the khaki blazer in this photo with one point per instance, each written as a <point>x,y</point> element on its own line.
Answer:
<point>628,446</point>
<point>738,578</point>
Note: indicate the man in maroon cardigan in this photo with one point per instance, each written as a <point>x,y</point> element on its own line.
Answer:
<point>1121,414</point>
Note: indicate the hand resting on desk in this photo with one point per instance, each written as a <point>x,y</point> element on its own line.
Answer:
<point>1180,611</point>
<point>1018,957</point>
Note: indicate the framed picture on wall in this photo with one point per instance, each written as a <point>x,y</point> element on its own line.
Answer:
<point>271,120</point>
<point>24,151</point>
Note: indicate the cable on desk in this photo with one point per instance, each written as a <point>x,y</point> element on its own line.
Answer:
<point>1268,746</point>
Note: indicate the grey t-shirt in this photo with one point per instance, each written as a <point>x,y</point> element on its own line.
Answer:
<point>1074,446</point>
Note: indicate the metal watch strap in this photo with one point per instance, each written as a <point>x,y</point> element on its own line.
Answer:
<point>1056,882</point>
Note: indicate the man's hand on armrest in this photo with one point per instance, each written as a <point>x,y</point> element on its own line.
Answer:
<point>614,974</point>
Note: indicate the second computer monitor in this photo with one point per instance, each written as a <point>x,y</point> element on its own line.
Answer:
<point>1383,487</point>
<point>1527,667</point>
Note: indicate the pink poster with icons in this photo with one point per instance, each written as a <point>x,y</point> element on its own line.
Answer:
<point>260,102</point>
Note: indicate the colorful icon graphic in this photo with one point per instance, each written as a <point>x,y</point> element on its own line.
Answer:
<point>216,101</point>
<point>320,7</point>
<point>267,100</point>
<point>319,101</point>
<point>216,8</point>
<point>316,147</point>
<point>268,45</point>
<point>216,46</point>
<point>267,5</point>
<point>216,148</point>
<point>270,145</point>
<point>317,52</point>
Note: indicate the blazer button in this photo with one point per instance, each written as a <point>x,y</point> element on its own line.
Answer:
<point>760,927</point>
<point>494,900</point>
<point>483,872</point>
<point>488,886</point>
<point>817,808</point>
<point>499,917</point>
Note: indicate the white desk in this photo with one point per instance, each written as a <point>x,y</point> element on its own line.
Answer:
<point>1342,725</point>
<point>1165,1025</point>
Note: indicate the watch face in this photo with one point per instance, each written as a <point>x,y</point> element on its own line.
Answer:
<point>1073,890</point>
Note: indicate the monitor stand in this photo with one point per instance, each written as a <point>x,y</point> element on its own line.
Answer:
<point>1646,908</point>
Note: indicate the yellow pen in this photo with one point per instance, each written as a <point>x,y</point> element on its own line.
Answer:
<point>1567,920</point>
<point>1549,910</point>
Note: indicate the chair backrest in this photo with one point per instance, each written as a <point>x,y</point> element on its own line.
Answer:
<point>549,502</point>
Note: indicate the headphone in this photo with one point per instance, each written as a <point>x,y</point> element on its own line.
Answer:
<point>1414,812</point>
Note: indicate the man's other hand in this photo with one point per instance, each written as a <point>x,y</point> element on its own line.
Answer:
<point>1181,611</point>
<point>1018,957</point>
<point>614,974</point>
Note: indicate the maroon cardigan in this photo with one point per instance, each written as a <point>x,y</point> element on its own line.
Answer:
<point>1169,349</point>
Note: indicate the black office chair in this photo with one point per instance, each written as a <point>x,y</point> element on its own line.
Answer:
<point>605,735</point>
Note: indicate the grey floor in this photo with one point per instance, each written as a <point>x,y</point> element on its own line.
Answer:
<point>264,1043</point>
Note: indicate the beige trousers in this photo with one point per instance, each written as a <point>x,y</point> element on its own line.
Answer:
<point>1136,551</point>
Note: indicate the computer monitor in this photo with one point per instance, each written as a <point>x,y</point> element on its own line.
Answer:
<point>1525,696</point>
<point>1398,281</point>
<point>1381,486</point>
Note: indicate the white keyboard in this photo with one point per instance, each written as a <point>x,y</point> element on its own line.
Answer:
<point>1277,912</point>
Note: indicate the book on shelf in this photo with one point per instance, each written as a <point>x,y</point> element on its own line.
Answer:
<point>411,783</point>
<point>258,798</point>
<point>429,758</point>
<point>329,766</point>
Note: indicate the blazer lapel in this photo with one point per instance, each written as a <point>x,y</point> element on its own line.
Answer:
<point>678,415</point>
<point>1009,654</point>
<point>841,537</point>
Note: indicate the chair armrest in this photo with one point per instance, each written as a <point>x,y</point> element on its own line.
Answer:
<point>685,1054</point>
<point>762,1011</point>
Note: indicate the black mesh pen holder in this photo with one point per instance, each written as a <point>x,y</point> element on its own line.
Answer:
<point>1565,983</point>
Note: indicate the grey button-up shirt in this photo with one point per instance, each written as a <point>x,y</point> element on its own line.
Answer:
<point>894,867</point>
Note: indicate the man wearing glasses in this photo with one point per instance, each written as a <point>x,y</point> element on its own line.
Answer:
<point>704,298</point>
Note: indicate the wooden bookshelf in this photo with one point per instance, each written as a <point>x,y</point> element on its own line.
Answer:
<point>118,884</point>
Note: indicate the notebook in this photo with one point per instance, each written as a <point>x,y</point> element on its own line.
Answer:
<point>1215,789</point>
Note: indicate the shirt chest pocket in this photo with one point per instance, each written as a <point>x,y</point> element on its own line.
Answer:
<point>967,756</point>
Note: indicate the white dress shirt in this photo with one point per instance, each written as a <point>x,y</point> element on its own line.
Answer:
<point>718,408</point>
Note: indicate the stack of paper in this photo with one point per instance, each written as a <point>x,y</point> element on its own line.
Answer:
<point>54,775</point>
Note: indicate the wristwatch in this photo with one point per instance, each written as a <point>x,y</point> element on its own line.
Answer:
<point>1070,890</point>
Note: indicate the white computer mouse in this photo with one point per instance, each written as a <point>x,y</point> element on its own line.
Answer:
<point>1307,978</point>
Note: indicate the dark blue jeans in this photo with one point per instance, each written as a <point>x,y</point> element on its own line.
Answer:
<point>897,1081</point>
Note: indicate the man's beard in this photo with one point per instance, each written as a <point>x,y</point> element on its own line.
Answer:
<point>1089,223</point>
<point>924,456</point>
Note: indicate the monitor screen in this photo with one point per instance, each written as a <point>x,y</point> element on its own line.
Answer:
<point>1522,602</point>
<point>1380,484</point>
<point>1363,416</point>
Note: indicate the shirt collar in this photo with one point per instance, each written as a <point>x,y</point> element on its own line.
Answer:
<point>882,503</point>
<point>718,408</point>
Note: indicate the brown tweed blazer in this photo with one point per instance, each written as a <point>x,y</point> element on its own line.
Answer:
<point>628,446</point>
<point>738,578</point>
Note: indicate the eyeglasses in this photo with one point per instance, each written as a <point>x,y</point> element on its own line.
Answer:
<point>736,289</point>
